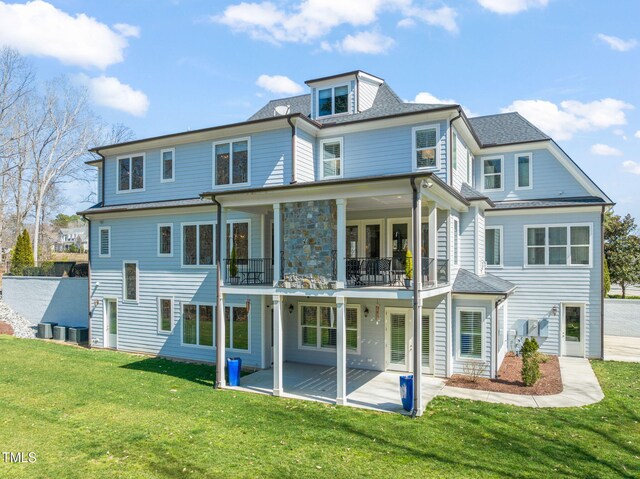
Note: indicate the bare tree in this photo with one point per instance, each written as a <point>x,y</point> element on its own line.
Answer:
<point>64,128</point>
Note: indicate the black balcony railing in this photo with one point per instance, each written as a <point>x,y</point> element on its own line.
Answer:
<point>390,271</point>
<point>248,271</point>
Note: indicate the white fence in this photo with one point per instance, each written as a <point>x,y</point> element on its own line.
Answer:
<point>60,300</point>
<point>622,317</point>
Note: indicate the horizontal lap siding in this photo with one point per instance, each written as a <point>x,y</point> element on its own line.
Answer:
<point>460,173</point>
<point>468,242</point>
<point>439,305</point>
<point>539,289</point>
<point>550,178</point>
<point>270,164</point>
<point>304,157</point>
<point>136,239</point>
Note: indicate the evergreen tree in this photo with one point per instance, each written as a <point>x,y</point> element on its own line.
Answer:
<point>22,254</point>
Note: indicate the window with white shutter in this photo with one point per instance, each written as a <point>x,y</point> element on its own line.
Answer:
<point>104,248</point>
<point>470,333</point>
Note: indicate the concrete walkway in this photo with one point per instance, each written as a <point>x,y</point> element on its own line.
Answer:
<point>580,388</point>
<point>622,348</point>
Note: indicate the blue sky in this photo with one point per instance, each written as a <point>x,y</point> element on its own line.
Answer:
<point>162,66</point>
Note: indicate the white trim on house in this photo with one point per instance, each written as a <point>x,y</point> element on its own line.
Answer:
<point>437,147</point>
<point>516,158</point>
<point>568,264</point>
<point>340,160</point>
<point>108,230</point>
<point>160,226</point>
<point>173,165</point>
<point>483,333</point>
<point>197,344</point>
<point>333,307</point>
<point>333,87</point>
<point>124,282</point>
<point>230,142</point>
<point>172,319</point>
<point>229,330</point>
<point>583,322</point>
<point>483,175</point>
<point>213,242</point>
<point>501,251</point>
<point>144,173</point>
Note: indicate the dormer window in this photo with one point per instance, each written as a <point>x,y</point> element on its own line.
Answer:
<point>333,100</point>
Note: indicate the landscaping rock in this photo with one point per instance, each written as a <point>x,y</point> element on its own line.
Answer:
<point>21,327</point>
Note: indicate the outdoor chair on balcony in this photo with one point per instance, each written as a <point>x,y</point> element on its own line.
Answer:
<point>354,272</point>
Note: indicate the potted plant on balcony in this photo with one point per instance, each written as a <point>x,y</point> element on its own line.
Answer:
<point>408,270</point>
<point>233,267</point>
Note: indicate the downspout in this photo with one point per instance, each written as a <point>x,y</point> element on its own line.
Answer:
<point>104,173</point>
<point>219,382</point>
<point>602,283</point>
<point>450,149</point>
<point>293,150</point>
<point>417,269</point>
<point>89,274</point>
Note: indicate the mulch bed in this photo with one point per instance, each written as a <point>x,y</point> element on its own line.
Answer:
<point>509,379</point>
<point>5,328</point>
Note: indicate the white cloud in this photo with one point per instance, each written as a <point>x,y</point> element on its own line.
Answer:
<point>511,6</point>
<point>570,117</point>
<point>279,84</point>
<point>637,134</point>
<point>110,92</point>
<point>406,23</point>
<point>127,30</point>
<point>309,20</point>
<point>366,42</point>
<point>618,44</point>
<point>605,150</point>
<point>38,28</point>
<point>631,167</point>
<point>428,98</point>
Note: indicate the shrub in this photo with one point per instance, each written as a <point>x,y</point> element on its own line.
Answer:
<point>22,254</point>
<point>233,264</point>
<point>607,278</point>
<point>408,267</point>
<point>530,362</point>
<point>474,369</point>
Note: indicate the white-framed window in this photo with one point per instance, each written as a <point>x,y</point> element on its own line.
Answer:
<point>237,330</point>
<point>130,174</point>
<point>197,324</point>
<point>333,100</point>
<point>165,315</point>
<point>524,171</point>
<point>231,162</point>
<point>493,245</point>
<point>426,150</point>
<point>239,238</point>
<point>167,165</point>
<point>104,235</point>
<point>456,240</point>
<point>492,177</point>
<point>130,281</point>
<point>317,327</point>
<point>558,245</point>
<point>454,150</point>
<point>331,164</point>
<point>165,239</point>
<point>197,244</point>
<point>470,325</point>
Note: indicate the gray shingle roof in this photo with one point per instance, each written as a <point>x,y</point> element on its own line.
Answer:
<point>467,282</point>
<point>98,208</point>
<point>471,194</point>
<point>505,129</point>
<point>386,103</point>
<point>550,203</point>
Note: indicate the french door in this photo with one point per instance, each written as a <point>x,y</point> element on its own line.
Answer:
<point>111,323</point>
<point>399,340</point>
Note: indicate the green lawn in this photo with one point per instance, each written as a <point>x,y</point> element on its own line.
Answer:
<point>92,414</point>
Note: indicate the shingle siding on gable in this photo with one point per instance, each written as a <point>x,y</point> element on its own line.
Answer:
<point>304,156</point>
<point>460,173</point>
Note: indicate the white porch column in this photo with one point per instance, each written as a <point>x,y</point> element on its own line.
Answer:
<point>417,302</point>
<point>433,243</point>
<point>277,345</point>
<point>223,245</point>
<point>277,244</point>
<point>341,351</point>
<point>220,343</point>
<point>341,247</point>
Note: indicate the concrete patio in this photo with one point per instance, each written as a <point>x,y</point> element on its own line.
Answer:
<point>376,390</point>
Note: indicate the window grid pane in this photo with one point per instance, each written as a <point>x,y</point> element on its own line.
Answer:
<point>190,245</point>
<point>240,328</point>
<point>189,320</point>
<point>341,94</point>
<point>130,273</point>
<point>167,165</point>
<point>165,315</point>
<point>165,240</point>
<point>222,164</point>
<point>240,161</point>
<point>205,253</point>
<point>325,102</point>
<point>137,173</point>
<point>523,172</point>
<point>205,325</point>
<point>124,171</point>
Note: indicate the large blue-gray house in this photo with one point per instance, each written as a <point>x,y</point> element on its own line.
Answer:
<point>287,238</point>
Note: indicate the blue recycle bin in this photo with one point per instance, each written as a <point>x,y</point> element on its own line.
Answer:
<point>406,391</point>
<point>233,370</point>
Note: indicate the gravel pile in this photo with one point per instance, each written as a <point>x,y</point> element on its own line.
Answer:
<point>21,327</point>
